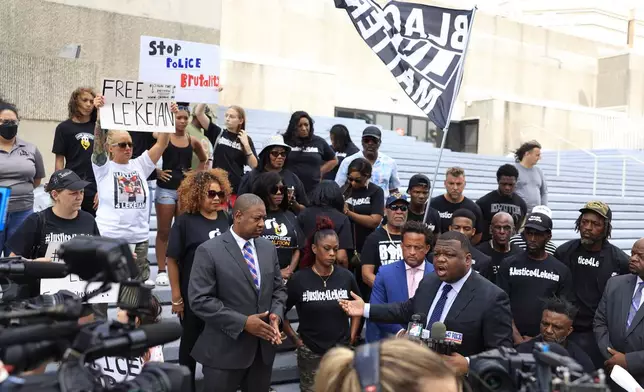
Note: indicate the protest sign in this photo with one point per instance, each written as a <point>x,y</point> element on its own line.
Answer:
<point>73,283</point>
<point>137,106</point>
<point>191,66</point>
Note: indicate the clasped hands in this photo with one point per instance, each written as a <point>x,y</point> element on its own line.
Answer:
<point>255,325</point>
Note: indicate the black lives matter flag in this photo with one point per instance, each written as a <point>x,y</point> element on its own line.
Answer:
<point>423,47</point>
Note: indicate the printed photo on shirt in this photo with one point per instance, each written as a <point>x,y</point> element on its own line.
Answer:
<point>129,191</point>
<point>281,237</point>
<point>85,139</point>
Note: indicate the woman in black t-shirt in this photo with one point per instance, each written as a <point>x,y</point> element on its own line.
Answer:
<point>74,142</point>
<point>232,147</point>
<point>326,200</point>
<point>315,293</point>
<point>201,197</point>
<point>273,159</point>
<point>342,145</point>
<point>177,160</point>
<point>311,157</point>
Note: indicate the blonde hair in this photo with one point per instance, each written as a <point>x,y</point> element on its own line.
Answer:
<point>109,140</point>
<point>403,366</point>
<point>455,171</point>
<point>242,114</point>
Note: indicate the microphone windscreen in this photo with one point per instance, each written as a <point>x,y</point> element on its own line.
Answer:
<point>45,269</point>
<point>438,330</point>
<point>161,333</point>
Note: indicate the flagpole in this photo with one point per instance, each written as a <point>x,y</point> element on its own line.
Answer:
<point>449,116</point>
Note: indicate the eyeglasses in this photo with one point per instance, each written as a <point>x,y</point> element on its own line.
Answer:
<point>398,208</point>
<point>9,122</point>
<point>276,154</point>
<point>277,188</point>
<point>124,144</point>
<point>356,180</point>
<point>213,194</point>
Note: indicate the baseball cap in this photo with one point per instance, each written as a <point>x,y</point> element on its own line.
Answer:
<point>542,210</point>
<point>65,179</point>
<point>396,197</point>
<point>539,222</point>
<point>419,179</point>
<point>598,207</point>
<point>372,131</point>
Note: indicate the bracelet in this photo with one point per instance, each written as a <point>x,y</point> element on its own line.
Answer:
<point>179,302</point>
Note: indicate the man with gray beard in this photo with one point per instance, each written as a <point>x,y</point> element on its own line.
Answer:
<point>592,260</point>
<point>499,246</point>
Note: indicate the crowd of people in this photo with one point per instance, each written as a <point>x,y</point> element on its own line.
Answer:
<point>244,237</point>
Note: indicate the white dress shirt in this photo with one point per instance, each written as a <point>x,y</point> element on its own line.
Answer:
<point>241,242</point>
<point>451,296</point>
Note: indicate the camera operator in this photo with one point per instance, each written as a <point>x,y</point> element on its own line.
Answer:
<point>464,301</point>
<point>56,224</point>
<point>556,325</point>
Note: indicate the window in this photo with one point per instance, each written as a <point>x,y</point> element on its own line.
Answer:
<point>419,128</point>
<point>401,122</point>
<point>384,120</point>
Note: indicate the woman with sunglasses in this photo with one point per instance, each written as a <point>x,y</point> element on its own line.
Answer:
<point>21,168</point>
<point>364,205</point>
<point>123,193</point>
<point>272,158</point>
<point>201,196</point>
<point>177,160</point>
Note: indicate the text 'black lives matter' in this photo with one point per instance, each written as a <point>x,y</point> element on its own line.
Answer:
<point>423,46</point>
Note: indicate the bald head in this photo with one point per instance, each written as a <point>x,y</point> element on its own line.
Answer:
<point>502,228</point>
<point>249,214</point>
<point>245,201</point>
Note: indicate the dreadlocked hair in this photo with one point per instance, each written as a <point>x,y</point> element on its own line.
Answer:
<point>194,187</point>
<point>608,227</point>
<point>323,227</point>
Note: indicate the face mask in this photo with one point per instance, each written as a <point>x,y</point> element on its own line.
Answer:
<point>8,130</point>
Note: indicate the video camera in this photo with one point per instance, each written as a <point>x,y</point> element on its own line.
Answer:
<point>46,328</point>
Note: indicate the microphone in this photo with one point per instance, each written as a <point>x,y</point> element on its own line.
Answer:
<point>442,341</point>
<point>35,269</point>
<point>415,327</point>
<point>29,356</point>
<point>37,333</point>
<point>136,340</point>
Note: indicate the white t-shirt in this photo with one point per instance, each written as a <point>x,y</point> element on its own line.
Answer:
<point>117,369</point>
<point>124,198</point>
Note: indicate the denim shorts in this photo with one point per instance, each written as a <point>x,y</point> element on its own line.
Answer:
<point>165,196</point>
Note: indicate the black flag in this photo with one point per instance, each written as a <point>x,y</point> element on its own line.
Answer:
<point>423,46</point>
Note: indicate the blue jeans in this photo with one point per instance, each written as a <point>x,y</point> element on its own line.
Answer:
<point>14,220</point>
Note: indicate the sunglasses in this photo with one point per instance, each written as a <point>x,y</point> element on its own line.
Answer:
<point>356,180</point>
<point>277,188</point>
<point>213,194</point>
<point>398,208</point>
<point>124,144</point>
<point>276,154</point>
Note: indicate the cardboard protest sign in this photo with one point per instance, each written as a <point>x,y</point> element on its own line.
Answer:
<point>73,283</point>
<point>137,106</point>
<point>191,66</point>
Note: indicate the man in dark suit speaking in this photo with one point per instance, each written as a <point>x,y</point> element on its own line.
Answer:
<point>464,301</point>
<point>236,288</point>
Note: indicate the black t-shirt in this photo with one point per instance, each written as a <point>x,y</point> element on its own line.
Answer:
<point>75,141</point>
<point>379,250</point>
<point>584,266</point>
<point>143,141</point>
<point>187,233</point>
<point>528,282</point>
<point>323,323</point>
<point>42,228</point>
<point>494,202</point>
<point>446,209</point>
<point>229,153</point>
<point>481,263</point>
<point>288,178</point>
<point>283,230</point>
<point>179,160</point>
<point>433,220</point>
<point>574,351</point>
<point>306,159</point>
<point>350,150</point>
<point>341,223</point>
<point>496,257</point>
<point>365,201</point>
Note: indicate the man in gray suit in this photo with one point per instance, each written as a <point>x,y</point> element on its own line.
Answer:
<point>619,320</point>
<point>236,288</point>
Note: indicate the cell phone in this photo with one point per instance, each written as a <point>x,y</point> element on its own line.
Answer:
<point>5,193</point>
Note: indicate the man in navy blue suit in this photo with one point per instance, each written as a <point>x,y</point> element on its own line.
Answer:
<point>397,282</point>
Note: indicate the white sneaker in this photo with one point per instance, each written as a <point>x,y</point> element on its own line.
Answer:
<point>162,279</point>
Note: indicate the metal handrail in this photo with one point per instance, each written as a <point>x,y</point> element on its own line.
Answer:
<point>595,157</point>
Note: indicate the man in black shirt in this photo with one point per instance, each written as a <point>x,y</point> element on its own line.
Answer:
<point>453,200</point>
<point>519,239</point>
<point>504,198</point>
<point>592,261</point>
<point>464,221</point>
<point>499,247</point>
<point>532,276</point>
<point>419,189</point>
<point>556,326</point>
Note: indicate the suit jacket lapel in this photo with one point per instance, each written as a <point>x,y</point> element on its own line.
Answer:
<point>401,277</point>
<point>236,254</point>
<point>624,296</point>
<point>640,312</point>
<point>463,297</point>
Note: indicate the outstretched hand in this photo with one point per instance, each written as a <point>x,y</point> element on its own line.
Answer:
<point>255,325</point>
<point>353,308</point>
